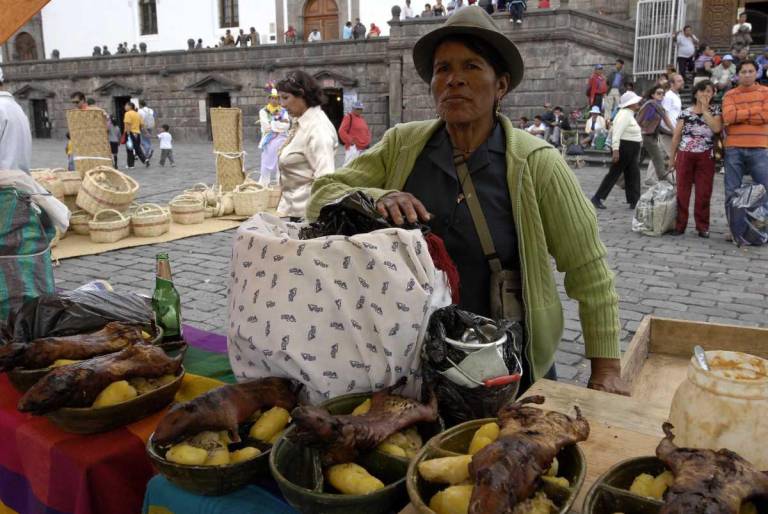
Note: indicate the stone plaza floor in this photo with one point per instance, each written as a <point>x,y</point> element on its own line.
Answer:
<point>683,277</point>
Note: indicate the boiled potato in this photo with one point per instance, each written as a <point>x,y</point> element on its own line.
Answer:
<point>217,457</point>
<point>446,470</point>
<point>539,504</point>
<point>276,437</point>
<point>661,483</point>
<point>184,453</point>
<point>362,408</point>
<point>452,500</point>
<point>642,485</point>
<point>269,424</point>
<point>478,443</point>
<point>409,440</point>
<point>561,481</point>
<point>247,453</point>
<point>145,335</point>
<point>352,478</point>
<point>63,362</point>
<point>391,449</point>
<point>553,468</point>
<point>116,392</point>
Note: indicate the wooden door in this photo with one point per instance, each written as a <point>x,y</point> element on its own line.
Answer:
<point>322,15</point>
<point>718,19</point>
<point>40,117</point>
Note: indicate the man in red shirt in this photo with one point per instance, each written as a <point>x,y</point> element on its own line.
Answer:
<point>354,133</point>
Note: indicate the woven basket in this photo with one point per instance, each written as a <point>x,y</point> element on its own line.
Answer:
<point>249,199</point>
<point>50,181</point>
<point>150,220</point>
<point>78,222</point>
<point>106,188</point>
<point>227,129</point>
<point>70,180</point>
<point>109,226</point>
<point>186,210</point>
<point>227,204</point>
<point>274,197</point>
<point>89,139</point>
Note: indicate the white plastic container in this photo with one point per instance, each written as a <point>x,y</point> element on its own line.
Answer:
<point>726,407</point>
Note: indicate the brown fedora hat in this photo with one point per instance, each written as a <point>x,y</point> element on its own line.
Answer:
<point>475,22</point>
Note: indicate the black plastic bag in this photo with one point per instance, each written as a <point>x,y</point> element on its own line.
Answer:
<point>75,312</point>
<point>458,403</point>
<point>348,216</point>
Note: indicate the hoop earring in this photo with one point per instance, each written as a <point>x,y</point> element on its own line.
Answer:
<point>497,109</point>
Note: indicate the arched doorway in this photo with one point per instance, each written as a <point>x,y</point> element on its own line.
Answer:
<point>757,15</point>
<point>322,15</point>
<point>26,48</point>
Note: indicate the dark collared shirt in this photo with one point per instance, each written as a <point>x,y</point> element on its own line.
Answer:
<point>435,183</point>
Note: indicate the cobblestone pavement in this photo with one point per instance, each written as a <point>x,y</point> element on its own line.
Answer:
<point>684,277</point>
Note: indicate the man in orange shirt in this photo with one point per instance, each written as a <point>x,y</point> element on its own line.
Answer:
<point>745,115</point>
<point>354,133</point>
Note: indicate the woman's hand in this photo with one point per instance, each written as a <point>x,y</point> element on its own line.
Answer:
<point>606,376</point>
<point>615,156</point>
<point>399,207</point>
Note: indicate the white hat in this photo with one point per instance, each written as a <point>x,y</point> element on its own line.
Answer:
<point>595,110</point>
<point>629,98</point>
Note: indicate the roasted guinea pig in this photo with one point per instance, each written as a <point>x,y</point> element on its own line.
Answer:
<point>41,353</point>
<point>78,384</point>
<point>224,408</point>
<point>341,438</point>
<point>707,481</point>
<point>508,471</point>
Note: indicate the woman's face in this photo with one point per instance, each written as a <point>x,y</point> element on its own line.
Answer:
<point>705,94</point>
<point>295,105</point>
<point>658,94</point>
<point>464,86</point>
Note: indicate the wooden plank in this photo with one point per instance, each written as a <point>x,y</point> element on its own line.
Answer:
<point>15,14</point>
<point>634,358</point>
<point>658,380</point>
<point>677,337</point>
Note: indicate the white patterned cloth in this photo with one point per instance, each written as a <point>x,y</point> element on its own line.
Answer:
<point>340,314</point>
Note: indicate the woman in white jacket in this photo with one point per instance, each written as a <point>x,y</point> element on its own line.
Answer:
<point>275,122</point>
<point>310,149</point>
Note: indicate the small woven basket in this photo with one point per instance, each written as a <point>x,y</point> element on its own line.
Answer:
<point>78,222</point>
<point>250,198</point>
<point>70,180</point>
<point>186,210</point>
<point>106,188</point>
<point>109,226</point>
<point>150,220</point>
<point>50,181</point>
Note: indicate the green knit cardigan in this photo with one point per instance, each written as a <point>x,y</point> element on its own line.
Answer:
<point>552,218</point>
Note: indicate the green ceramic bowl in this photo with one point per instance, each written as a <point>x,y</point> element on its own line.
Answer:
<point>213,480</point>
<point>299,474</point>
<point>610,493</point>
<point>455,441</point>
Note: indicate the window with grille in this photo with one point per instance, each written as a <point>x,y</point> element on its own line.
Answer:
<point>228,13</point>
<point>148,13</point>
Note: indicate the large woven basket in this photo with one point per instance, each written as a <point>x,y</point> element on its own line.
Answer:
<point>109,226</point>
<point>150,220</point>
<point>106,188</point>
<point>186,210</point>
<point>78,222</point>
<point>250,198</point>
<point>70,180</point>
<point>227,129</point>
<point>90,143</point>
<point>50,181</point>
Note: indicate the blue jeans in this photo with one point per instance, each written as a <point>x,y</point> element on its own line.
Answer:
<point>146,141</point>
<point>743,161</point>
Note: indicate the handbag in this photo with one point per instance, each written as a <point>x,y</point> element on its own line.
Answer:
<point>122,139</point>
<point>506,285</point>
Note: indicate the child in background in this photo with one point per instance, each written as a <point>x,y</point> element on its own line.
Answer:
<point>70,156</point>
<point>113,130</point>
<point>166,146</point>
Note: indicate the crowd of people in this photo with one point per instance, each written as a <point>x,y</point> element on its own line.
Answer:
<point>122,48</point>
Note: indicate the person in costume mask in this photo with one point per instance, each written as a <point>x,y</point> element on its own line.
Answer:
<point>275,123</point>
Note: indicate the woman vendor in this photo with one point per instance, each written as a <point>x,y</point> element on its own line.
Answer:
<point>531,206</point>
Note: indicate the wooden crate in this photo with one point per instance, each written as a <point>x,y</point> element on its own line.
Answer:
<point>657,358</point>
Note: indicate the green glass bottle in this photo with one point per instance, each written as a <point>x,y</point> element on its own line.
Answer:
<point>166,301</point>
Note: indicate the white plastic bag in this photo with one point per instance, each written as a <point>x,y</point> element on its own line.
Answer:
<point>656,211</point>
<point>340,314</point>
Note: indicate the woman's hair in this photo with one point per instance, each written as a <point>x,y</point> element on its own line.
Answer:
<point>300,83</point>
<point>701,86</point>
<point>481,48</point>
<point>649,93</point>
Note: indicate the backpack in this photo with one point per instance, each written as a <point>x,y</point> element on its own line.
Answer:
<point>149,118</point>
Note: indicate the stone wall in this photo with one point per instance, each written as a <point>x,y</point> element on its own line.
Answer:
<point>559,46</point>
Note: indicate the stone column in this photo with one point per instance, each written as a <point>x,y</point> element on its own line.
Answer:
<point>279,21</point>
<point>356,12</point>
<point>343,15</point>
<point>395,90</point>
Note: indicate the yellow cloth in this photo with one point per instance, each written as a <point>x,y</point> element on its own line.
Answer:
<point>132,121</point>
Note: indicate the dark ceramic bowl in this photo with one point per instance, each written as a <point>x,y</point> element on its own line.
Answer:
<point>455,441</point>
<point>299,474</point>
